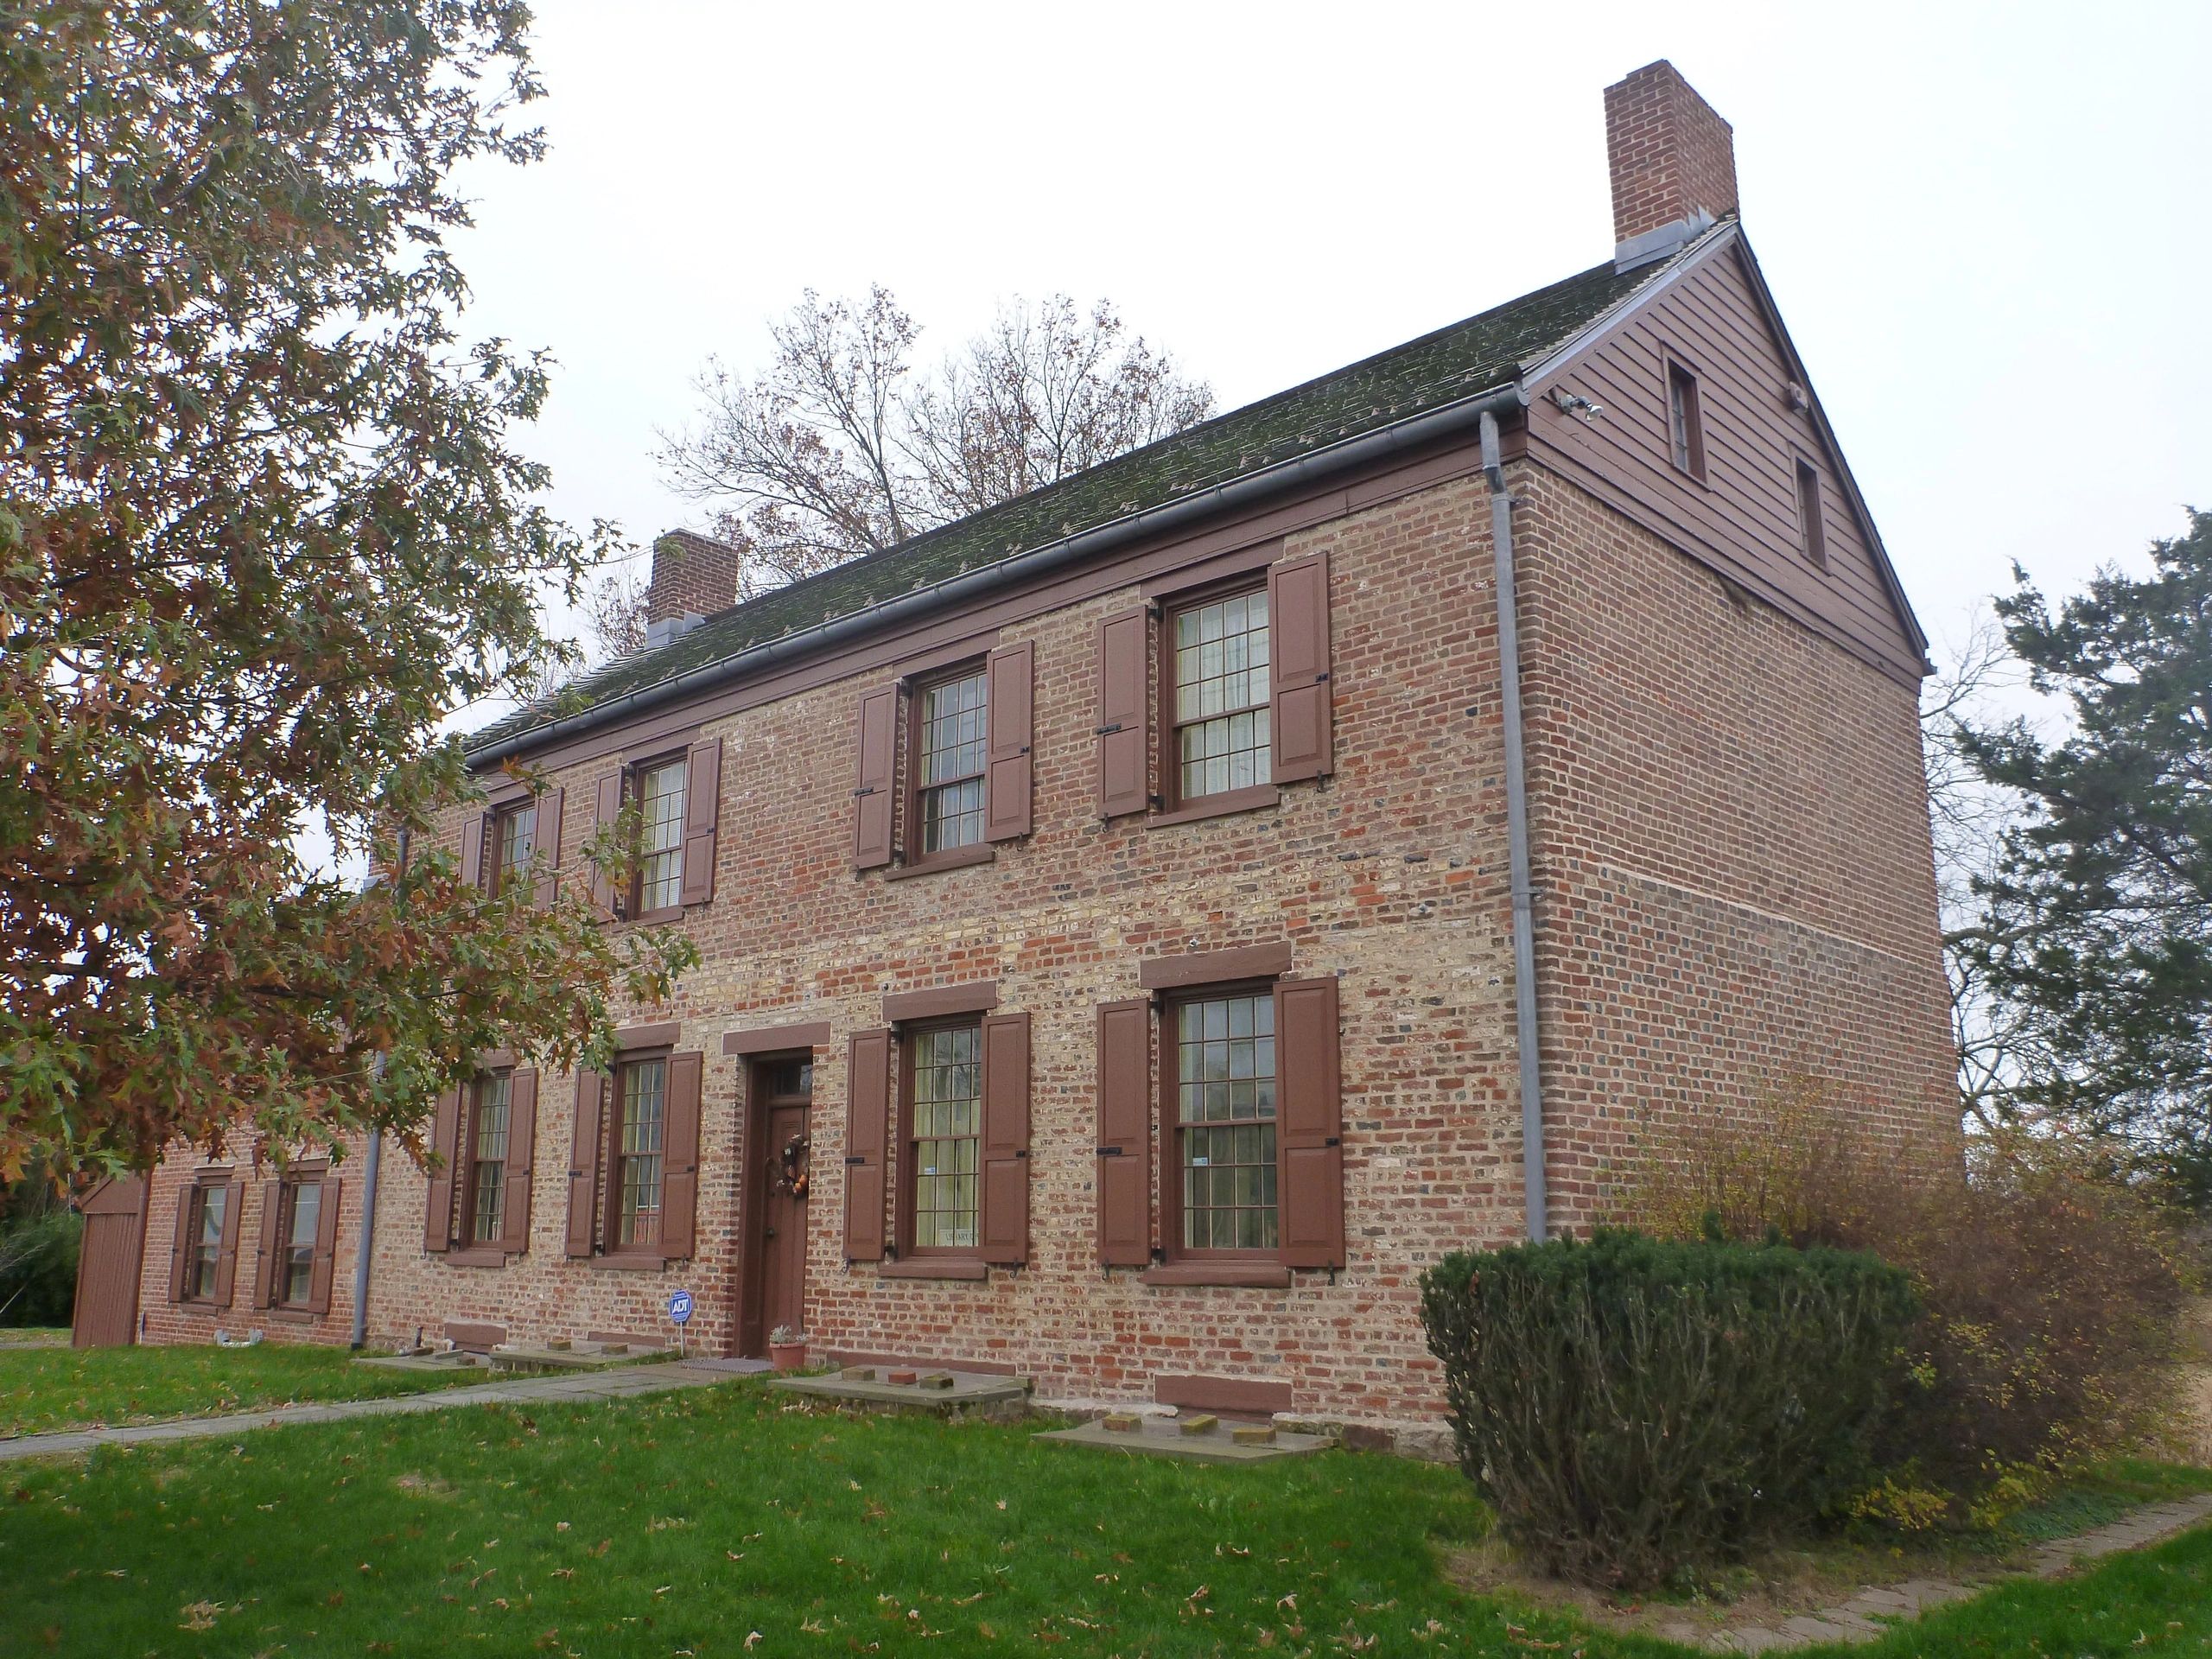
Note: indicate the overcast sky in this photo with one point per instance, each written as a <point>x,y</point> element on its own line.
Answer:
<point>1989,227</point>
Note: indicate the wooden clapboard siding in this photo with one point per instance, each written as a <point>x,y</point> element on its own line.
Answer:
<point>1743,519</point>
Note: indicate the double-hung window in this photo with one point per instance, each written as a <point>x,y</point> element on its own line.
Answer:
<point>1220,736</point>
<point>634,1186</point>
<point>658,790</point>
<point>211,1205</point>
<point>484,1193</point>
<point>1224,1117</point>
<point>298,1225</point>
<point>514,841</point>
<point>944,1106</point>
<point>1685,422</point>
<point>949,752</point>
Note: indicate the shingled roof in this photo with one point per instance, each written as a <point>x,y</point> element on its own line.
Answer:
<point>1483,352</point>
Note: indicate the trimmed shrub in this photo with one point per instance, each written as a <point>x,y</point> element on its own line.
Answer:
<point>1632,1406</point>
<point>2051,1292</point>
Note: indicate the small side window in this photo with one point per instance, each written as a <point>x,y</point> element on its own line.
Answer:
<point>1811,530</point>
<point>1685,422</point>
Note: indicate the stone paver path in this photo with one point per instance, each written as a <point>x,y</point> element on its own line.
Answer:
<point>1861,1618</point>
<point>514,1390</point>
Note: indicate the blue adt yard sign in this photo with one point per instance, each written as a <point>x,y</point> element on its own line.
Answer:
<point>679,1306</point>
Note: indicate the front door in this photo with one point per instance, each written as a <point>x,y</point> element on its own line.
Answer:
<point>782,1088</point>
<point>108,1263</point>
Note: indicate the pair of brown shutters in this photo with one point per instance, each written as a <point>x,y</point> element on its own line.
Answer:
<point>1009,723</point>
<point>1003,1223</point>
<point>1309,1128</point>
<point>226,1259</point>
<point>272,1243</point>
<point>1299,698</point>
<point>679,1165</point>
<point>440,1221</point>
<point>477,852</point>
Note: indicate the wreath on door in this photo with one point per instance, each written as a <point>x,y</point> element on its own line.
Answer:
<point>791,1180</point>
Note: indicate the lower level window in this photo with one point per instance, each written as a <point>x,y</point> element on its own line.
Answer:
<point>641,1093</point>
<point>1225,1113</point>
<point>945,1065</point>
<point>211,1207</point>
<point>299,1219</point>
<point>489,1124</point>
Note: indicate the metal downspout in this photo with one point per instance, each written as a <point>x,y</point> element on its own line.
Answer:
<point>369,1195</point>
<point>1516,836</point>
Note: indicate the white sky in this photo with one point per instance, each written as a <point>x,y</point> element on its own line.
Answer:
<point>1990,227</point>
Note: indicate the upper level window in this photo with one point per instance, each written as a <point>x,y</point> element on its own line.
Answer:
<point>298,1218</point>
<point>1218,669</point>
<point>945,1112</point>
<point>950,738</point>
<point>514,839</point>
<point>490,1122</point>
<point>211,1205</point>
<point>1685,423</point>
<point>640,1120</point>
<point>1811,531</point>
<point>659,793</point>
<point>1225,1121</point>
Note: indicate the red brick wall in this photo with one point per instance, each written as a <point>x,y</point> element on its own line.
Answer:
<point>1732,862</point>
<point>1671,155</point>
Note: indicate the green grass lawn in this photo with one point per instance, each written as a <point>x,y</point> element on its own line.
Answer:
<point>683,1524</point>
<point>43,1389</point>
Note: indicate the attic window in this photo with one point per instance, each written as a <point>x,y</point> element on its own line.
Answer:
<point>1811,531</point>
<point>1684,426</point>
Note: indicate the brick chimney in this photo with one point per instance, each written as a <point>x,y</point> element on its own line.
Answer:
<point>1673,160</point>
<point>694,576</point>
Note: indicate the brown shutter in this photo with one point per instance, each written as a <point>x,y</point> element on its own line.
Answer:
<point>703,799</point>
<point>1003,1228</point>
<point>325,1265</point>
<point>1124,1151</point>
<point>549,847</point>
<point>1124,742</point>
<point>1309,1126</point>
<point>474,834</point>
<point>583,1163</point>
<point>522,1149</point>
<point>873,784</point>
<point>1007,786</point>
<point>226,1265</point>
<point>445,1143</point>
<point>867,1129</point>
<point>265,1260</point>
<point>679,1190</point>
<point>606,806</point>
<point>1298,697</point>
<point>181,1251</point>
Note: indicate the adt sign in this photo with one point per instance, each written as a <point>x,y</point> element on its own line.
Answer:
<point>679,1306</point>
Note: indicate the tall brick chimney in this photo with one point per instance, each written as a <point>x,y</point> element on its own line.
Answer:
<point>1673,160</point>
<point>694,576</point>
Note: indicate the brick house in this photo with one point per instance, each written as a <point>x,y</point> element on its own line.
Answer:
<point>1145,924</point>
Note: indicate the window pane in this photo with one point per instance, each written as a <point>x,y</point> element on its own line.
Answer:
<point>1225,1062</point>
<point>1223,728</point>
<point>487,1175</point>
<point>297,1265</point>
<point>660,836</point>
<point>949,768</point>
<point>516,832</point>
<point>208,1244</point>
<point>947,1115</point>
<point>638,1158</point>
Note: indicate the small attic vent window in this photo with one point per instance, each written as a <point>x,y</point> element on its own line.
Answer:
<point>1811,531</point>
<point>1684,426</point>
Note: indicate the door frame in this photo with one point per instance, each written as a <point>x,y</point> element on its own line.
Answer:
<point>749,1324</point>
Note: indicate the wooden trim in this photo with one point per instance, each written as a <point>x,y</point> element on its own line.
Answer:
<point>478,1256</point>
<point>1218,806</point>
<point>476,1335</point>
<point>959,858</point>
<point>1172,585</point>
<point>934,1266</point>
<point>1233,1394</point>
<point>978,996</point>
<point>907,768</point>
<point>660,1035</point>
<point>775,1039</point>
<point>1215,967</point>
<point>1249,1275</point>
<point>631,1261</point>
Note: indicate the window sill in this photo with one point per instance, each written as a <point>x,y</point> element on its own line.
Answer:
<point>628,1263</point>
<point>1216,806</point>
<point>1251,1276</point>
<point>958,859</point>
<point>935,1266</point>
<point>477,1258</point>
<point>293,1315</point>
<point>653,917</point>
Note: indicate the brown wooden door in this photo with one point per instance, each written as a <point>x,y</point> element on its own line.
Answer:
<point>782,1091</point>
<point>108,1268</point>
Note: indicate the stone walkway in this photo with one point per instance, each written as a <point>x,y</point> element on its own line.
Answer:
<point>516,1390</point>
<point>1860,1618</point>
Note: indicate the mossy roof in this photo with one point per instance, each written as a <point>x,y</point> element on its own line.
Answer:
<point>1485,351</point>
